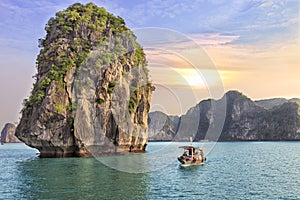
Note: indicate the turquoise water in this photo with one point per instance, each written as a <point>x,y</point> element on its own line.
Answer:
<point>239,170</point>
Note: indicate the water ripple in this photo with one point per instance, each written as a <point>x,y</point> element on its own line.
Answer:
<point>241,170</point>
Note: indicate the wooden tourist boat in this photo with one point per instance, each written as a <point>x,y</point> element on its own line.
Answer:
<point>192,156</point>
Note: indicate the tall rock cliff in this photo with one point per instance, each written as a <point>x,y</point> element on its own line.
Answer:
<point>276,119</point>
<point>91,95</point>
<point>244,119</point>
<point>8,134</point>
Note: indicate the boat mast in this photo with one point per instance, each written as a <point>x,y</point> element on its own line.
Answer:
<point>191,140</point>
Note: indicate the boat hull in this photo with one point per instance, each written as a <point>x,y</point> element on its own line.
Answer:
<point>191,165</point>
<point>185,160</point>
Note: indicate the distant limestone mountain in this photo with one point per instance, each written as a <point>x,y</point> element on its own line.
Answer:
<point>161,126</point>
<point>271,103</point>
<point>8,134</point>
<point>235,117</point>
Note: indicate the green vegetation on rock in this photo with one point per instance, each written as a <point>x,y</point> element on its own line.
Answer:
<point>134,101</point>
<point>71,35</point>
<point>111,86</point>
<point>59,108</point>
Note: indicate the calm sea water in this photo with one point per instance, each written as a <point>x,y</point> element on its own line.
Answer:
<point>239,170</point>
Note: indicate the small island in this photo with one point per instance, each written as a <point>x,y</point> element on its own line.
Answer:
<point>92,93</point>
<point>8,134</point>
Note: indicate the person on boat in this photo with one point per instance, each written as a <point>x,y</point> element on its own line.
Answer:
<point>184,153</point>
<point>190,152</point>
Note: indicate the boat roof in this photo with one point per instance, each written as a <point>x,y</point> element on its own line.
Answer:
<point>190,147</point>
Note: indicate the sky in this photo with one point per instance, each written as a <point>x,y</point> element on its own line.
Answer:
<point>195,49</point>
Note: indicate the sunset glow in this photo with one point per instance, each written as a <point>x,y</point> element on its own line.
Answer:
<point>250,46</point>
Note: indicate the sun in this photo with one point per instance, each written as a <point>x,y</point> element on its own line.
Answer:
<point>194,80</point>
<point>191,77</point>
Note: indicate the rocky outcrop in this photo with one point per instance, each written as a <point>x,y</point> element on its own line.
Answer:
<point>236,117</point>
<point>8,134</point>
<point>270,103</point>
<point>161,126</point>
<point>91,94</point>
<point>248,121</point>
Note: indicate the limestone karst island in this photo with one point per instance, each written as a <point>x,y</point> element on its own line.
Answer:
<point>91,94</point>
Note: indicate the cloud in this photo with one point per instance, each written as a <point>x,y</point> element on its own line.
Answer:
<point>245,69</point>
<point>241,21</point>
<point>213,38</point>
<point>266,18</point>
